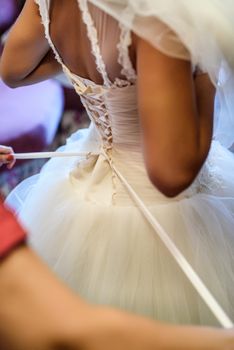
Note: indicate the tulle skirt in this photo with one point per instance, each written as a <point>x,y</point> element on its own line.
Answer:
<point>86,227</point>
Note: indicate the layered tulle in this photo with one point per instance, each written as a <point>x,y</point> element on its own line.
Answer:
<point>92,234</point>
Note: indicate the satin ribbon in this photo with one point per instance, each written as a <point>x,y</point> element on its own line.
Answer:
<point>45,155</point>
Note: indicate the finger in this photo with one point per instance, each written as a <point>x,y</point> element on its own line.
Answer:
<point>6,158</point>
<point>10,159</point>
<point>10,165</point>
<point>6,150</point>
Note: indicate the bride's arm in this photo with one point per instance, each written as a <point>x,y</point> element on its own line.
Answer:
<point>27,57</point>
<point>176,114</point>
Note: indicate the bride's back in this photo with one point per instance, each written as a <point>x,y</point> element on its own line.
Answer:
<point>70,35</point>
<point>164,96</point>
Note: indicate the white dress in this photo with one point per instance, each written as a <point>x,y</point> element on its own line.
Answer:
<point>87,226</point>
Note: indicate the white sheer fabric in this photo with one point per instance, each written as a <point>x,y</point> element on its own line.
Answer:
<point>205,28</point>
<point>198,30</point>
<point>87,227</point>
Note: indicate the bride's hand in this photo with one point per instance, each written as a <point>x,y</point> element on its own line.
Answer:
<point>7,156</point>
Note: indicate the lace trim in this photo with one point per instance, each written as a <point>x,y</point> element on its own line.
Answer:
<point>209,180</point>
<point>93,37</point>
<point>124,59</point>
<point>42,9</point>
<point>44,13</point>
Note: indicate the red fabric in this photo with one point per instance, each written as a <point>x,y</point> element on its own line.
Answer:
<point>11,233</point>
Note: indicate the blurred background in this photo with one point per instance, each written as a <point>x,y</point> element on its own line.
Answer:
<point>34,118</point>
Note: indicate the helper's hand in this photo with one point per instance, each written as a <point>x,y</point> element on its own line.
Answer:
<point>7,156</point>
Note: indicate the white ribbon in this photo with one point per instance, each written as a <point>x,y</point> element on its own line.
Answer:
<point>44,155</point>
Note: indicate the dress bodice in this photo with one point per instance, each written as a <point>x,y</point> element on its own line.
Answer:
<point>112,106</point>
<point>114,112</point>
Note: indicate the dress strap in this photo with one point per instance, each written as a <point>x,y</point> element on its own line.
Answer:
<point>93,37</point>
<point>123,47</point>
<point>44,8</point>
<point>123,59</point>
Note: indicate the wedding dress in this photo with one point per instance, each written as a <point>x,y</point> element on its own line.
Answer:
<point>85,215</point>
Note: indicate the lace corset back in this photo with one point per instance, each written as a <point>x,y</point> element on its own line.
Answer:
<point>112,104</point>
